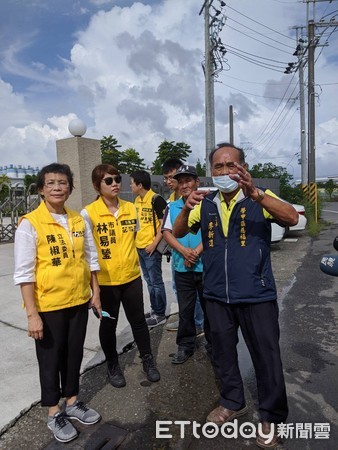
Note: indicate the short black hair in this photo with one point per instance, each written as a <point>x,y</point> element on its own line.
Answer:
<point>55,168</point>
<point>171,164</point>
<point>227,144</point>
<point>98,173</point>
<point>141,177</point>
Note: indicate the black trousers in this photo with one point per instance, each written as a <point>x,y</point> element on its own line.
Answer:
<point>260,329</point>
<point>131,296</point>
<point>60,352</point>
<point>188,286</point>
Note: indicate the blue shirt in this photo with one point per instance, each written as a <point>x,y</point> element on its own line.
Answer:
<point>190,240</point>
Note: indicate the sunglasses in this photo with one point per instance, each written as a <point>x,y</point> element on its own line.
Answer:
<point>109,180</point>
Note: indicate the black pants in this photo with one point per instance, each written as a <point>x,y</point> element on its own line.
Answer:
<point>188,286</point>
<point>60,352</point>
<point>131,296</point>
<point>260,329</point>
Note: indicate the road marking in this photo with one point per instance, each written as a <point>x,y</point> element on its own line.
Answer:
<point>329,211</point>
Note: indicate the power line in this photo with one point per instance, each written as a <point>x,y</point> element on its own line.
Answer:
<point>256,56</point>
<point>259,23</point>
<point>257,32</point>
<point>248,93</point>
<point>257,40</point>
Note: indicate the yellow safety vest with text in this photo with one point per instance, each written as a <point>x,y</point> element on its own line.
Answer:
<point>62,273</point>
<point>146,233</point>
<point>115,242</point>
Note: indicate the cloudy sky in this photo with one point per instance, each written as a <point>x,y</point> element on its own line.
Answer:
<point>135,70</point>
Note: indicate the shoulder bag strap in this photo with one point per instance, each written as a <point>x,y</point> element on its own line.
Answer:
<point>154,218</point>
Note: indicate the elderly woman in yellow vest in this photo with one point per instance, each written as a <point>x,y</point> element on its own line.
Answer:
<point>55,266</point>
<point>114,223</point>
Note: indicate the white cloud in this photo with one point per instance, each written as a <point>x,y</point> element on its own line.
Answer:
<point>33,144</point>
<point>135,72</point>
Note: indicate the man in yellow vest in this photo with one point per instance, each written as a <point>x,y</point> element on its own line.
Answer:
<point>150,212</point>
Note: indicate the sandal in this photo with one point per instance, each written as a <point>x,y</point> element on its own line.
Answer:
<point>220,415</point>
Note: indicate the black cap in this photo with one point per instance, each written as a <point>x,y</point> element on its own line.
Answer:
<point>186,170</point>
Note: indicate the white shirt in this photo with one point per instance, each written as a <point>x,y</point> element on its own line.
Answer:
<point>25,249</point>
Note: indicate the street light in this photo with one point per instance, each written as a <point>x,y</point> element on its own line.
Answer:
<point>77,128</point>
<point>329,143</point>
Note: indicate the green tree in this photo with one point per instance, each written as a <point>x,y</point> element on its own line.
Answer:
<point>28,181</point>
<point>167,150</point>
<point>330,187</point>
<point>130,161</point>
<point>4,190</point>
<point>269,170</point>
<point>109,151</point>
<point>201,170</point>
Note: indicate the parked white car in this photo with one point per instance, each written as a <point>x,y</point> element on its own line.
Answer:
<point>278,232</point>
<point>302,220</point>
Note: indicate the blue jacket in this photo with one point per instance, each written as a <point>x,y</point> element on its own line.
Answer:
<point>190,241</point>
<point>237,268</point>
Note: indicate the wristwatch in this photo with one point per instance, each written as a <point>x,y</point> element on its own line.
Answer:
<point>260,196</point>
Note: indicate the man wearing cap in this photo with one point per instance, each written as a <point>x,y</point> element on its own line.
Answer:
<point>188,268</point>
<point>169,168</point>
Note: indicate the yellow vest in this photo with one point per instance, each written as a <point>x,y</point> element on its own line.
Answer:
<point>61,271</point>
<point>115,242</point>
<point>172,197</point>
<point>146,233</point>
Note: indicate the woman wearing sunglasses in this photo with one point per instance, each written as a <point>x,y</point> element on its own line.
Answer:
<point>114,223</point>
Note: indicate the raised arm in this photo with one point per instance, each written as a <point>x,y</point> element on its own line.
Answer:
<point>280,210</point>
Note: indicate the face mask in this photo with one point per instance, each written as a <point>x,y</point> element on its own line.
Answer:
<point>225,184</point>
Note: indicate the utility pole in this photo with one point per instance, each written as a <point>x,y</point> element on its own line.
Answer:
<point>313,42</point>
<point>303,152</point>
<point>231,124</point>
<point>311,103</point>
<point>209,88</point>
<point>301,46</point>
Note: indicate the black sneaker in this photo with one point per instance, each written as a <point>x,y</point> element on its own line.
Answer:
<point>156,320</point>
<point>149,368</point>
<point>115,374</point>
<point>181,356</point>
<point>148,314</point>
<point>62,429</point>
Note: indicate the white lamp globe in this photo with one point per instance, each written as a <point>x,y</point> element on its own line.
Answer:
<point>77,128</point>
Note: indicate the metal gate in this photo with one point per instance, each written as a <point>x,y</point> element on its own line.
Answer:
<point>15,201</point>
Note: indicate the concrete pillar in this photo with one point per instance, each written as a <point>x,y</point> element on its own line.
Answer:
<point>82,155</point>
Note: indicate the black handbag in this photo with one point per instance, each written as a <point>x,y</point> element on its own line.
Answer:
<point>162,247</point>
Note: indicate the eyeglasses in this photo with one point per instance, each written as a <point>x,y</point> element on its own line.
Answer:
<point>109,180</point>
<point>168,178</point>
<point>63,184</point>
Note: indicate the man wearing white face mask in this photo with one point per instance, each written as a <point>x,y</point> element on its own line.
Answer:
<point>239,286</point>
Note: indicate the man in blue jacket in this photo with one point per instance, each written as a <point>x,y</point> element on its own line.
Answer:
<point>239,287</point>
<point>187,265</point>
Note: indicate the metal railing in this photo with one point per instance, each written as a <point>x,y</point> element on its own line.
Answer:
<point>15,201</point>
